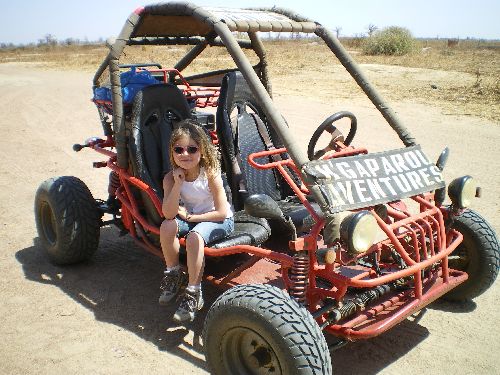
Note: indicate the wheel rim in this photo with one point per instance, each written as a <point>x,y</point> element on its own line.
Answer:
<point>246,352</point>
<point>460,258</point>
<point>48,223</point>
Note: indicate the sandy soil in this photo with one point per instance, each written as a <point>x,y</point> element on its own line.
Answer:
<point>102,317</point>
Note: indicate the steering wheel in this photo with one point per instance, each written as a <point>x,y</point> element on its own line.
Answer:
<point>336,134</point>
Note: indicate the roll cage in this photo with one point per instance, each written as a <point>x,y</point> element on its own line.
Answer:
<point>186,23</point>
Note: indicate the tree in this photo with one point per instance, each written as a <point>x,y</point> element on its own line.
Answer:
<point>69,41</point>
<point>371,28</point>
<point>338,29</point>
<point>6,45</point>
<point>47,40</point>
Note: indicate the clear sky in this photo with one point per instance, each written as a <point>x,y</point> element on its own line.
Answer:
<point>26,21</point>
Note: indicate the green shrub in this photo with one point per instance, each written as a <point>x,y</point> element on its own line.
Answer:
<point>392,40</point>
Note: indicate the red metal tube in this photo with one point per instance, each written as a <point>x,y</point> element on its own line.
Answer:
<point>416,267</point>
<point>369,323</point>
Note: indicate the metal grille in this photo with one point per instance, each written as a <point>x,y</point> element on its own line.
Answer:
<point>421,238</point>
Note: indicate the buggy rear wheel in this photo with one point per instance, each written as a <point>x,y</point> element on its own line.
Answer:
<point>67,220</point>
<point>478,255</point>
<point>259,329</point>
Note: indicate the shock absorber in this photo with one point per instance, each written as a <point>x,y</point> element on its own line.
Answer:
<point>299,277</point>
<point>114,183</point>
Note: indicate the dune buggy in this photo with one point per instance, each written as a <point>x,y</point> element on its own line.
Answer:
<point>335,241</point>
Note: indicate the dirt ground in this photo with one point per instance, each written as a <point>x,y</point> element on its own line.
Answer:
<point>102,317</point>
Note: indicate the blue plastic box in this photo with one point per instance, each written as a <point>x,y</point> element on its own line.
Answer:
<point>132,81</point>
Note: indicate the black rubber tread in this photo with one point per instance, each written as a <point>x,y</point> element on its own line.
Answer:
<point>483,248</point>
<point>77,219</point>
<point>299,342</point>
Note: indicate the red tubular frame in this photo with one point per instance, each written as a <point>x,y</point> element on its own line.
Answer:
<point>131,215</point>
<point>404,229</point>
<point>428,224</point>
<point>203,96</point>
<point>280,165</point>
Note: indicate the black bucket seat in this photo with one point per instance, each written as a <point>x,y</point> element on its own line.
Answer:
<point>155,111</point>
<point>242,129</point>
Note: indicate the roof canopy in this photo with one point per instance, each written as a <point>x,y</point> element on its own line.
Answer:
<point>176,19</point>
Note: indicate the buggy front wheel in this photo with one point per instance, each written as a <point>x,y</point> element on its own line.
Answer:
<point>67,220</point>
<point>259,329</point>
<point>478,255</point>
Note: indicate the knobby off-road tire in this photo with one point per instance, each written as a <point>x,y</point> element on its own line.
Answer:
<point>478,255</point>
<point>67,220</point>
<point>259,329</point>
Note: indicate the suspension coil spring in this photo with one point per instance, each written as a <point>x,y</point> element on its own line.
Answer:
<point>114,183</point>
<point>299,277</point>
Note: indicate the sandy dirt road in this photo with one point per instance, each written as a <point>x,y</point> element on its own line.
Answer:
<point>102,317</point>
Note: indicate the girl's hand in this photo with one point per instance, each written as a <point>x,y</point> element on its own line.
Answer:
<point>182,213</point>
<point>179,175</point>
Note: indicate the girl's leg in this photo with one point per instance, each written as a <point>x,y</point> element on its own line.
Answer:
<point>174,278</point>
<point>169,242</point>
<point>195,243</point>
<point>196,239</point>
<point>195,257</point>
<point>193,299</point>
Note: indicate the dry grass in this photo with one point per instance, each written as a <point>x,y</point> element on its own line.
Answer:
<point>477,90</point>
<point>463,80</point>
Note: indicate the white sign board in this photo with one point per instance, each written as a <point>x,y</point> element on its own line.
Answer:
<point>367,180</point>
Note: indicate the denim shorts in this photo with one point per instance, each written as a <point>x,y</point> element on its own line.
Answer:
<point>208,230</point>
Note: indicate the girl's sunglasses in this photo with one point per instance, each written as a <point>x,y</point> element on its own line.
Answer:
<point>190,149</point>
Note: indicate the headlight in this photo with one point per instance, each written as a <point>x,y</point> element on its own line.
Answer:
<point>358,231</point>
<point>461,191</point>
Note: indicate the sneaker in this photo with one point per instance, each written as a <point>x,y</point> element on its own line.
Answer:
<point>170,286</point>
<point>190,304</point>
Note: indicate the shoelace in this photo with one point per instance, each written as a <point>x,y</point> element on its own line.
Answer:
<point>169,281</point>
<point>189,302</point>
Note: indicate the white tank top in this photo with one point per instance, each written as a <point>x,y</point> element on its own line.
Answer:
<point>197,197</point>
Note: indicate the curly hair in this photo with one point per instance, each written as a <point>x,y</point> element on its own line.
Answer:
<point>210,157</point>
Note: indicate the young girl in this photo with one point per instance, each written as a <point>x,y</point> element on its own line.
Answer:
<point>204,216</point>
